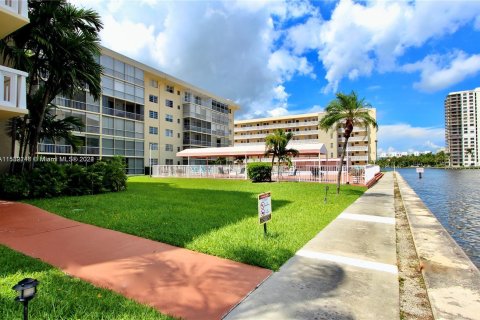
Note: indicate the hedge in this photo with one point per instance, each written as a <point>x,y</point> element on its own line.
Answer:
<point>49,179</point>
<point>259,171</point>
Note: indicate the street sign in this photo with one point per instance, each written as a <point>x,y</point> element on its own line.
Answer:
<point>420,170</point>
<point>264,207</point>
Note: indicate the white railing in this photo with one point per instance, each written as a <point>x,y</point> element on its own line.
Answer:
<point>300,173</point>
<point>278,126</point>
<point>356,148</point>
<point>292,142</point>
<point>13,88</point>
<point>263,135</point>
<point>358,158</point>
<point>358,138</point>
<point>370,172</point>
<point>19,7</point>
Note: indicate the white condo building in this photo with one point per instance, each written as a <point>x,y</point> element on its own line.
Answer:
<point>461,127</point>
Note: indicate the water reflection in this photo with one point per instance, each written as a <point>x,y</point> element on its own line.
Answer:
<point>453,197</point>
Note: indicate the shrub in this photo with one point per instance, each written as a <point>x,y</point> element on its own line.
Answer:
<point>113,174</point>
<point>14,187</point>
<point>81,180</point>
<point>259,171</point>
<point>47,180</point>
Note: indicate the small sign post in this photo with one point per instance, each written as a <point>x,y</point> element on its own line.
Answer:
<point>264,210</point>
<point>420,171</point>
<point>326,191</point>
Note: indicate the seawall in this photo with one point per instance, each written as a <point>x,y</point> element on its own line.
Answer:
<point>451,279</point>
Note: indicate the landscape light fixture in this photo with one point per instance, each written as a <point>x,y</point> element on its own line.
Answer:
<point>26,290</point>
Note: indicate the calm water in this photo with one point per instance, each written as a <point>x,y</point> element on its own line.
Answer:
<point>453,196</point>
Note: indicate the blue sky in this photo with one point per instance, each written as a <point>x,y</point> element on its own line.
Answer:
<point>290,57</point>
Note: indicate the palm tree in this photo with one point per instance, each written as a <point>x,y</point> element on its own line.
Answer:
<point>55,129</point>
<point>276,145</point>
<point>346,111</point>
<point>59,48</point>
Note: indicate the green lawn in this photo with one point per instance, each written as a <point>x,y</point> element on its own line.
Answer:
<point>217,217</point>
<point>60,296</point>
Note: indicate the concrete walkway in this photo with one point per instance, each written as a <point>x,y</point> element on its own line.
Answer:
<point>348,271</point>
<point>175,281</point>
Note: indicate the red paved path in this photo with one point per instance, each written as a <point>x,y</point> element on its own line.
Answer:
<point>175,281</point>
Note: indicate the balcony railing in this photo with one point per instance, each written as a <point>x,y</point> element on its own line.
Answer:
<point>278,126</point>
<point>68,103</point>
<point>197,142</point>
<point>263,135</point>
<point>123,114</point>
<point>13,88</point>
<point>66,149</point>
<point>187,127</point>
<point>19,7</point>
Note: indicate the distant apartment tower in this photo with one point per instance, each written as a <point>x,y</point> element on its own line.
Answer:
<point>13,98</point>
<point>461,127</point>
<point>144,115</point>
<point>361,145</point>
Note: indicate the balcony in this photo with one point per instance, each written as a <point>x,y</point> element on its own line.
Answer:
<point>278,126</point>
<point>13,96</point>
<point>45,148</point>
<point>13,16</point>
<point>263,135</point>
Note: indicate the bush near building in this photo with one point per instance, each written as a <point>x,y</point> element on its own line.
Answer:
<point>259,171</point>
<point>49,179</point>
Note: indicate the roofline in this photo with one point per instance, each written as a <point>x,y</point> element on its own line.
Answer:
<point>161,74</point>
<point>287,117</point>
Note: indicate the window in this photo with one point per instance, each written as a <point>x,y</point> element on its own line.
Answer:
<point>178,120</point>
<point>153,162</point>
<point>154,83</point>
<point>169,118</point>
<point>168,132</point>
<point>169,147</point>
<point>169,161</point>
<point>169,89</point>
<point>153,146</point>
<point>153,130</point>
<point>153,114</point>
<point>153,98</point>
<point>169,103</point>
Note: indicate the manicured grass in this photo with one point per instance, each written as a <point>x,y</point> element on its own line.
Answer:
<point>217,217</point>
<point>60,296</point>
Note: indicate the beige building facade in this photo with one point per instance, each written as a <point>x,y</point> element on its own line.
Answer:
<point>144,115</point>
<point>361,145</point>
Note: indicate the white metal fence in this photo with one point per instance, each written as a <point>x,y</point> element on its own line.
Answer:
<point>309,173</point>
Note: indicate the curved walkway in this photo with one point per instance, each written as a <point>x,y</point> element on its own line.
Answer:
<point>173,280</point>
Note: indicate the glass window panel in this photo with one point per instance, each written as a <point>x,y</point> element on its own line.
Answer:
<point>139,74</point>
<point>129,126</point>
<point>119,66</point>
<point>119,124</point>
<point>139,92</point>
<point>106,61</point>
<point>119,86</point>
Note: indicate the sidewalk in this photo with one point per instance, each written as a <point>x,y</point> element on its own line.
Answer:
<point>348,271</point>
<point>173,280</point>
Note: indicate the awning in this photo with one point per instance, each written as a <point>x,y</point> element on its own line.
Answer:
<point>250,150</point>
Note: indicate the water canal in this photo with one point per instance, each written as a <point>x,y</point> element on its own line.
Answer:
<point>453,196</point>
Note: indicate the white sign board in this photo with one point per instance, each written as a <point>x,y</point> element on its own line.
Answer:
<point>264,207</point>
<point>420,170</point>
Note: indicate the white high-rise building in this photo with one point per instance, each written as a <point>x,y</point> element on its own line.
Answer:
<point>461,127</point>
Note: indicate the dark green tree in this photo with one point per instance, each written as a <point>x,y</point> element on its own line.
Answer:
<point>346,111</point>
<point>276,145</point>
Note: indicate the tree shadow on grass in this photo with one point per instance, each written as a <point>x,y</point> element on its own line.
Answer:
<point>161,211</point>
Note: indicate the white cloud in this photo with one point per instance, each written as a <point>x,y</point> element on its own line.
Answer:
<point>226,47</point>
<point>438,72</point>
<point>363,37</point>
<point>403,137</point>
<point>115,34</point>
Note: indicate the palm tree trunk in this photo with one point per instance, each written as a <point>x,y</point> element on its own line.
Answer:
<point>273,161</point>
<point>341,164</point>
<point>278,171</point>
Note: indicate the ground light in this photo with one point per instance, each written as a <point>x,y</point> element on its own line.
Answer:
<point>26,290</point>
